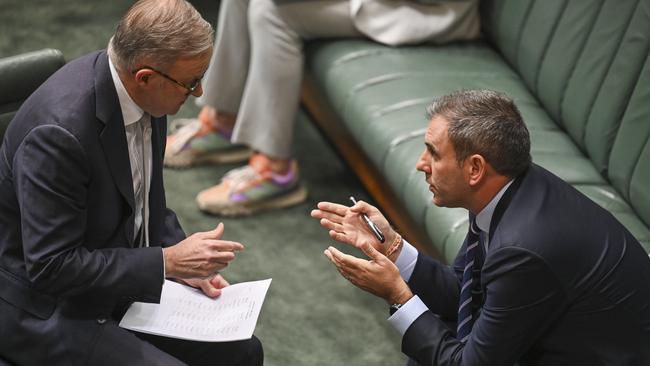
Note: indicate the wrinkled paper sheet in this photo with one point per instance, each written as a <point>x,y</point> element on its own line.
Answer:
<point>186,313</point>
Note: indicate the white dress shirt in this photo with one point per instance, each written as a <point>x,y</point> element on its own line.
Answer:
<point>402,319</point>
<point>137,124</point>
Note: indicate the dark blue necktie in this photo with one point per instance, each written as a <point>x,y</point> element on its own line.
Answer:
<point>465,302</point>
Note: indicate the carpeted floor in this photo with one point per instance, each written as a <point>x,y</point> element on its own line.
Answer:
<point>311,315</point>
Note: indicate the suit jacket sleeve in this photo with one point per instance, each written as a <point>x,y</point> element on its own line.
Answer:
<point>52,175</point>
<point>172,231</point>
<point>523,298</point>
<point>437,285</point>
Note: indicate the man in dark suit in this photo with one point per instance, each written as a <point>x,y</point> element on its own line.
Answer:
<point>544,277</point>
<point>84,227</point>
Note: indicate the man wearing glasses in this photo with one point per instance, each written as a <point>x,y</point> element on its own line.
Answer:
<point>84,227</point>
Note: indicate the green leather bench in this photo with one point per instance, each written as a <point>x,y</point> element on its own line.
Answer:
<point>20,75</point>
<point>578,70</point>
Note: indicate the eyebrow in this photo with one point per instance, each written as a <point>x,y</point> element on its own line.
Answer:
<point>431,148</point>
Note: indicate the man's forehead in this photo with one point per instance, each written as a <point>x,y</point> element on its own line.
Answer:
<point>437,130</point>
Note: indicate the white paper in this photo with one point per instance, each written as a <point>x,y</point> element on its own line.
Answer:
<point>186,313</point>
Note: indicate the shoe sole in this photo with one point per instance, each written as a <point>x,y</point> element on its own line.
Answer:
<point>186,159</point>
<point>292,198</point>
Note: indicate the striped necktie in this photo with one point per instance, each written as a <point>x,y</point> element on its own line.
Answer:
<point>141,162</point>
<point>465,302</point>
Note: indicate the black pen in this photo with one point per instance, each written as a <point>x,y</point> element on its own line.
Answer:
<point>371,225</point>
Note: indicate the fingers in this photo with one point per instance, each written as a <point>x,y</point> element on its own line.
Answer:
<point>327,224</point>
<point>334,208</point>
<point>371,252</point>
<point>219,282</point>
<point>225,245</point>
<point>221,257</point>
<point>328,255</point>
<point>363,207</point>
<point>329,216</point>
<point>204,284</point>
<point>222,252</point>
<point>196,257</point>
<point>208,289</point>
<point>345,261</point>
<point>342,238</point>
<point>342,270</point>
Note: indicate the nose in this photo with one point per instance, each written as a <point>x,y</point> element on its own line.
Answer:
<point>423,163</point>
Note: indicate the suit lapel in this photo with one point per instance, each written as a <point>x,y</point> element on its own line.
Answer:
<point>504,202</point>
<point>113,136</point>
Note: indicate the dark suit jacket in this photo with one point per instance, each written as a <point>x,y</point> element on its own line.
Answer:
<point>563,283</point>
<point>67,257</point>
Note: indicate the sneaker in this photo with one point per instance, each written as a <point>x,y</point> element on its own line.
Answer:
<point>192,142</point>
<point>245,190</point>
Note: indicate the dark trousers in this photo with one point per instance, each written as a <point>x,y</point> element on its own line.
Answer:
<point>118,346</point>
<point>239,353</point>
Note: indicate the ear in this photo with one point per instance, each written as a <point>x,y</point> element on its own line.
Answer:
<point>142,77</point>
<point>476,169</point>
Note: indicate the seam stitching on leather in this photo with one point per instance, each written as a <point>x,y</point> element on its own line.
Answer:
<point>577,61</point>
<point>554,29</point>
<point>629,99</point>
<point>634,169</point>
<point>519,34</point>
<point>602,81</point>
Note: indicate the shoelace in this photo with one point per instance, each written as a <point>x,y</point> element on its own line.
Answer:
<point>239,178</point>
<point>184,134</point>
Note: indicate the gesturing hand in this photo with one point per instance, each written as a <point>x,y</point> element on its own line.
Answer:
<point>200,255</point>
<point>378,276</point>
<point>346,225</point>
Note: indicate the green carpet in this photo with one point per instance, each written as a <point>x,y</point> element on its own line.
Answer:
<point>311,316</point>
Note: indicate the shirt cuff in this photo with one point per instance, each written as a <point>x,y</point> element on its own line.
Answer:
<point>406,260</point>
<point>407,314</point>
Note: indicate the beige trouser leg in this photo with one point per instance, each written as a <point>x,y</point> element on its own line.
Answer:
<point>257,65</point>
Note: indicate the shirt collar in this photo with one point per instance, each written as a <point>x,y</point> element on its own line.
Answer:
<point>131,112</point>
<point>484,218</point>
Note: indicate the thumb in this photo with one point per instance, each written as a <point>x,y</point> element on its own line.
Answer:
<point>371,252</point>
<point>218,231</point>
<point>363,207</point>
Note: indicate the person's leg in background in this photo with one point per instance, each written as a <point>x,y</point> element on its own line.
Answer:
<point>206,139</point>
<point>268,106</point>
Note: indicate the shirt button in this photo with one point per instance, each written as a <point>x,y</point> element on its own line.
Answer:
<point>101,320</point>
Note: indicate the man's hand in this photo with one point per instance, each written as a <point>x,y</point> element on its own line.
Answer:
<point>201,255</point>
<point>378,276</point>
<point>346,225</point>
<point>210,286</point>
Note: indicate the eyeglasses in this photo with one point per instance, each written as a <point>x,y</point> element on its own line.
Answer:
<point>190,88</point>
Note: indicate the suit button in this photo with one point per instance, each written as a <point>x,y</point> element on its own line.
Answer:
<point>101,320</point>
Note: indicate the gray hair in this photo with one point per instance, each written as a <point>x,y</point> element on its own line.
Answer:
<point>487,123</point>
<point>162,30</point>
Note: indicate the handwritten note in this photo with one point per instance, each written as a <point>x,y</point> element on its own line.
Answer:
<point>186,313</point>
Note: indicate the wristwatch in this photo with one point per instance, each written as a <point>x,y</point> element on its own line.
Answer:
<point>393,308</point>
